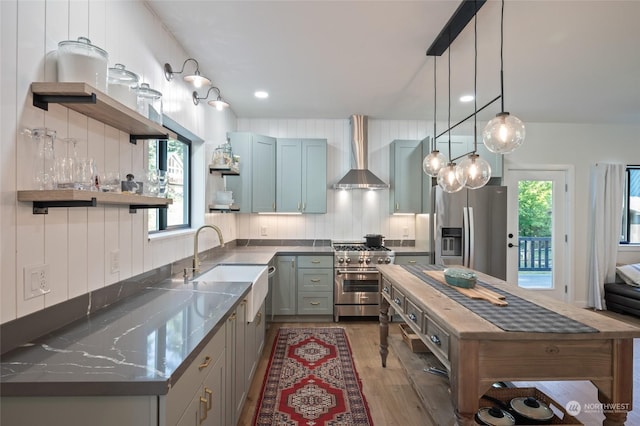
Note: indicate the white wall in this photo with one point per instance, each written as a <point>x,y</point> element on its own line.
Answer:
<point>76,242</point>
<point>350,214</point>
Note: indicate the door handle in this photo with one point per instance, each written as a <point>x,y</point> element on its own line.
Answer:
<point>510,245</point>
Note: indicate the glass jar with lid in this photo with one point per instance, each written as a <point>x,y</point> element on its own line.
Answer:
<point>149,103</point>
<point>123,85</point>
<point>81,61</point>
<point>223,156</point>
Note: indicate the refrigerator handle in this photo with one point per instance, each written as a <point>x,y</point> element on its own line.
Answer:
<point>471,244</point>
<point>465,237</point>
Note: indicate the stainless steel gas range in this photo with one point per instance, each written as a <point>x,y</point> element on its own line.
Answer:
<point>357,281</point>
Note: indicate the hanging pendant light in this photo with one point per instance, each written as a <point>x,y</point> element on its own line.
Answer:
<point>505,132</point>
<point>450,178</point>
<point>476,170</point>
<point>435,161</point>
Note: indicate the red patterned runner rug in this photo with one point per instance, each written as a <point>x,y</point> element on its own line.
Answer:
<point>311,381</point>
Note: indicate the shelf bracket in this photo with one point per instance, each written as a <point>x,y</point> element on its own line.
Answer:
<point>43,101</point>
<point>133,208</point>
<point>133,139</point>
<point>42,207</point>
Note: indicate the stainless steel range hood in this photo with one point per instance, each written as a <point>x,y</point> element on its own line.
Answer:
<point>359,177</point>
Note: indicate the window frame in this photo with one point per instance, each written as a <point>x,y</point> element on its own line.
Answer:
<point>626,208</point>
<point>188,139</point>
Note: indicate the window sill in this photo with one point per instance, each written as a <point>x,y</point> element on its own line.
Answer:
<point>170,234</point>
<point>628,248</point>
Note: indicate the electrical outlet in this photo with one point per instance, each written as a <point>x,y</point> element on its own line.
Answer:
<point>36,281</point>
<point>114,261</point>
<point>405,232</point>
<point>263,231</point>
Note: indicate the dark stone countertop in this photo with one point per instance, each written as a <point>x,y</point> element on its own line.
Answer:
<point>139,346</point>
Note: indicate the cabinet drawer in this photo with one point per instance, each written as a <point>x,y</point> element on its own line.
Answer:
<point>397,299</point>
<point>181,393</point>
<point>310,279</point>
<point>386,287</point>
<point>438,337</point>
<point>315,261</point>
<point>411,260</point>
<point>315,303</point>
<point>414,313</point>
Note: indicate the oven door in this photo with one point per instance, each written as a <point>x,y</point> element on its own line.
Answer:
<point>357,287</point>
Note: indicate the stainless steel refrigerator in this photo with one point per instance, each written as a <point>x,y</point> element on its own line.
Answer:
<point>470,229</point>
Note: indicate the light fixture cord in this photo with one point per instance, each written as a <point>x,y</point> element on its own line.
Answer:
<point>449,112</point>
<point>435,98</point>
<point>475,77</point>
<point>501,59</point>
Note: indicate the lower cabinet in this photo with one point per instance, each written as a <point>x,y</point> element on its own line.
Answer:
<point>207,406</point>
<point>411,259</point>
<point>303,285</point>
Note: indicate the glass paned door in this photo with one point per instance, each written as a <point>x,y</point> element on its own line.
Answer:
<point>536,236</point>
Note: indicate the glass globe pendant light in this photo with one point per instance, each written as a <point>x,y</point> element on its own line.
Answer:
<point>450,178</point>
<point>476,171</point>
<point>435,161</point>
<point>505,132</point>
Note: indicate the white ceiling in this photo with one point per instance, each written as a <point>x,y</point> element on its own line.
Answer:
<point>564,61</point>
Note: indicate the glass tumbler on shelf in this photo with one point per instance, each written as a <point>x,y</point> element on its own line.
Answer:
<point>44,175</point>
<point>65,165</point>
<point>85,174</point>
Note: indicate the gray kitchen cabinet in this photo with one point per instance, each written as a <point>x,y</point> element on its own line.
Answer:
<point>235,374</point>
<point>301,175</point>
<point>284,286</point>
<point>406,176</point>
<point>254,189</point>
<point>254,343</point>
<point>315,285</point>
<point>207,406</point>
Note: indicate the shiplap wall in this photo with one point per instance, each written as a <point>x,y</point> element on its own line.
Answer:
<point>76,243</point>
<point>350,214</point>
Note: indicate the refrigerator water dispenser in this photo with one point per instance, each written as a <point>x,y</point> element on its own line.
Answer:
<point>451,242</point>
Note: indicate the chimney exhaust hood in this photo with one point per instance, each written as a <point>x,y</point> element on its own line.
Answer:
<point>359,177</point>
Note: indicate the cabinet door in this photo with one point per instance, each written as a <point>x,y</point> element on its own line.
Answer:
<point>241,185</point>
<point>229,373</point>
<point>406,176</point>
<point>284,286</point>
<point>411,259</point>
<point>314,176</point>
<point>240,375</point>
<point>315,279</point>
<point>289,171</point>
<point>263,164</point>
<point>213,392</point>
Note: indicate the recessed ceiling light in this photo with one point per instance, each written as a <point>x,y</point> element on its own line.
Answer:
<point>261,94</point>
<point>466,98</point>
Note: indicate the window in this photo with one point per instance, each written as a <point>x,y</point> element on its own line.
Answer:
<point>174,156</point>
<point>631,207</point>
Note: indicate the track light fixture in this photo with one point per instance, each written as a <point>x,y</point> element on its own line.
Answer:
<point>218,103</point>
<point>196,79</point>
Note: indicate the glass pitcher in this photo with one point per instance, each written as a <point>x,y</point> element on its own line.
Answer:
<point>44,174</point>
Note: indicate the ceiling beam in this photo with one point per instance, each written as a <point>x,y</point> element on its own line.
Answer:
<point>457,22</point>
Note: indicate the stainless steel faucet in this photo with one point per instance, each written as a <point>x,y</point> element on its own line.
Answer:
<point>196,260</point>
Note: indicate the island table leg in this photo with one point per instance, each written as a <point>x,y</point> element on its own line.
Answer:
<point>384,330</point>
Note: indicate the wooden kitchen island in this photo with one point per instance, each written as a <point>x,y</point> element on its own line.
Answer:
<point>478,353</point>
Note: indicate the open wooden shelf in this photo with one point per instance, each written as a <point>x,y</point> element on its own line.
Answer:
<point>229,171</point>
<point>93,103</point>
<point>43,199</point>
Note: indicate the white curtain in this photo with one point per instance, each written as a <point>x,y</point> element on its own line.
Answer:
<point>605,221</point>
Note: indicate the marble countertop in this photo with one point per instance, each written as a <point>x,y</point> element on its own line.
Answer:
<point>142,344</point>
<point>139,346</point>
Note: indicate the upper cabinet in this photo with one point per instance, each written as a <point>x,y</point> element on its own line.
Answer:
<point>301,175</point>
<point>254,190</point>
<point>409,186</point>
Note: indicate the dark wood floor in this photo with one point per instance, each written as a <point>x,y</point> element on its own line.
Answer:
<point>393,401</point>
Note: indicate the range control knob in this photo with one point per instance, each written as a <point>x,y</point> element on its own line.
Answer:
<point>380,260</point>
<point>387,260</point>
<point>348,260</point>
<point>367,260</point>
<point>341,260</point>
<point>361,260</point>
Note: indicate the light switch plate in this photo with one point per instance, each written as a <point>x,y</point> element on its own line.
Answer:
<point>114,262</point>
<point>263,231</point>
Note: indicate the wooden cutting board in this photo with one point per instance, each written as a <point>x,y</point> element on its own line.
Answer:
<point>474,293</point>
